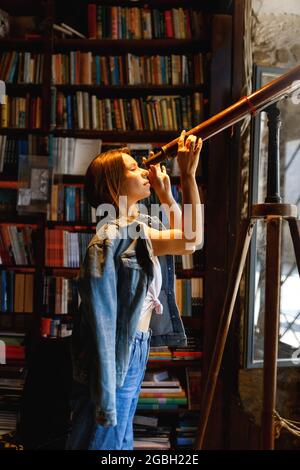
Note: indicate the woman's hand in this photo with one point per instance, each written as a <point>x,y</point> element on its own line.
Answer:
<point>160,181</point>
<point>188,154</point>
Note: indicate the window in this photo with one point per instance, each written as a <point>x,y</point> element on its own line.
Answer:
<point>289,328</point>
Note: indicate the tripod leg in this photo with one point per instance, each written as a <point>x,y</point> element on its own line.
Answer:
<point>231,293</point>
<point>271,324</point>
<point>295,233</point>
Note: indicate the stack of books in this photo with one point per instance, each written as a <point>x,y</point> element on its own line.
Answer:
<point>165,393</point>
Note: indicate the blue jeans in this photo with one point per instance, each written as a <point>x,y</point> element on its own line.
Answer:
<point>86,434</point>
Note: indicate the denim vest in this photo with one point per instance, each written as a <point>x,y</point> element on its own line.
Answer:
<point>113,282</point>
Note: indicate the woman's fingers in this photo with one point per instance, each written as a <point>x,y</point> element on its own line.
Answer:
<point>190,142</point>
<point>181,140</point>
<point>199,145</point>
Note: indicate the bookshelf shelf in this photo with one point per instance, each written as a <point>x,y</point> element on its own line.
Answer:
<point>20,220</point>
<point>121,46</point>
<point>74,225</point>
<point>132,90</point>
<point>154,364</point>
<point>16,322</point>
<point>56,270</point>
<point>6,314</point>
<point>21,268</point>
<point>21,88</point>
<point>119,136</point>
<point>21,44</point>
<point>11,367</point>
<point>20,132</point>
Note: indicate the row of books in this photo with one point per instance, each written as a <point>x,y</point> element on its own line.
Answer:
<point>11,346</point>
<point>85,111</point>
<point>55,328</point>
<point>8,419</point>
<point>21,67</point>
<point>22,112</point>
<point>161,390</point>
<point>60,295</point>
<point>166,354</point>
<point>186,430</point>
<point>8,383</point>
<point>17,248</point>
<point>69,204</point>
<point>85,68</point>
<point>72,156</point>
<point>11,148</point>
<point>150,438</point>
<point>150,433</point>
<point>17,245</point>
<point>162,397</point>
<point>189,295</point>
<point>156,433</point>
<point>65,248</point>
<point>116,22</point>
<point>16,292</point>
<point>10,396</point>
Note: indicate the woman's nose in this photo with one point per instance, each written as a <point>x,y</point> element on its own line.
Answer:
<point>145,173</point>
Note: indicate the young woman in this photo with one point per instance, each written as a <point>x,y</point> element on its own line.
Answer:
<point>126,285</point>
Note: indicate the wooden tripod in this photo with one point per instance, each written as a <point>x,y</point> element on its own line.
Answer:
<point>274,212</point>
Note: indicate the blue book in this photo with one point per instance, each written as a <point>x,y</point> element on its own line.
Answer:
<point>13,68</point>
<point>98,70</point>
<point>11,291</point>
<point>69,112</point>
<point>3,291</point>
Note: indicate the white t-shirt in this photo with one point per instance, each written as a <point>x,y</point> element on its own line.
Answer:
<point>151,300</point>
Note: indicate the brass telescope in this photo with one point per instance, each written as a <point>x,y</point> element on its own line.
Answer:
<point>280,87</point>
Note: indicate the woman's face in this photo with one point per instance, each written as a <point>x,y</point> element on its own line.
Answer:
<point>135,184</point>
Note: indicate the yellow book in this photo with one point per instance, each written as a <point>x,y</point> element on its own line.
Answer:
<point>4,112</point>
<point>19,292</point>
<point>28,294</point>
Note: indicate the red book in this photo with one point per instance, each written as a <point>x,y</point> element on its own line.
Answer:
<point>188,353</point>
<point>45,326</point>
<point>92,21</point>
<point>169,24</point>
<point>15,352</point>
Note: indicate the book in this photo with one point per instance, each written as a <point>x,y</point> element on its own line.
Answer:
<point>149,421</point>
<point>85,151</point>
<point>72,30</point>
<point>156,376</point>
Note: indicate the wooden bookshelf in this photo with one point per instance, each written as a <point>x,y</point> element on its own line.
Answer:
<point>49,44</point>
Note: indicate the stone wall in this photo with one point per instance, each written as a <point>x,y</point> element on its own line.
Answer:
<point>275,39</point>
